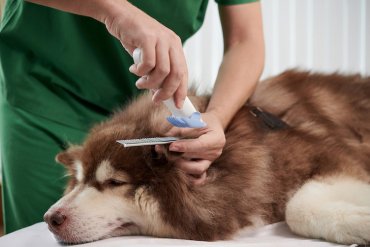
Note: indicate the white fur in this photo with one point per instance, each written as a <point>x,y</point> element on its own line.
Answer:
<point>79,170</point>
<point>256,222</point>
<point>336,209</point>
<point>150,208</point>
<point>94,214</point>
<point>104,171</point>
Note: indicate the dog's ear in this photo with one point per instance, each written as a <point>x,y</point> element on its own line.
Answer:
<point>69,156</point>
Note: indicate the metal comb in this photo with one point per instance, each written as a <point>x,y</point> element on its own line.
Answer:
<point>147,141</point>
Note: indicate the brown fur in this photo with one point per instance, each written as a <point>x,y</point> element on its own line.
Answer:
<point>259,169</point>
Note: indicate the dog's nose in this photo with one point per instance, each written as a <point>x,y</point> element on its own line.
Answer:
<point>55,220</point>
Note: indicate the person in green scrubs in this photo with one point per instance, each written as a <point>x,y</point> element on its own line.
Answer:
<point>63,69</point>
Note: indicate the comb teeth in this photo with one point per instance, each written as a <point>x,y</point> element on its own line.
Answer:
<point>147,141</point>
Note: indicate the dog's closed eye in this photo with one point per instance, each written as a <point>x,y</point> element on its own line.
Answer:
<point>114,182</point>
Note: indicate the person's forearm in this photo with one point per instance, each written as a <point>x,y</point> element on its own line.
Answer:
<point>96,9</point>
<point>240,70</point>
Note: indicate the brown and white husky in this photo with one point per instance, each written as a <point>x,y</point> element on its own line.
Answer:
<point>314,172</point>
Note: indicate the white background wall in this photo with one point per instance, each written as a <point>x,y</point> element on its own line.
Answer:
<point>321,35</point>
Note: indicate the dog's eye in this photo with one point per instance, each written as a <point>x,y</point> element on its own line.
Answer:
<point>115,182</point>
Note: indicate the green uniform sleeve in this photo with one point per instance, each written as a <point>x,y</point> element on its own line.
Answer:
<point>232,2</point>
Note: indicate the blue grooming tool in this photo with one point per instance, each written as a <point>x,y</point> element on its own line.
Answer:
<point>187,116</point>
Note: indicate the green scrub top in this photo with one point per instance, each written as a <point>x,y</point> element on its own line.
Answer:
<point>68,68</point>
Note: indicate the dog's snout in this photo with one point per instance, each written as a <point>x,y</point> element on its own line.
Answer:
<point>55,219</point>
<point>46,217</point>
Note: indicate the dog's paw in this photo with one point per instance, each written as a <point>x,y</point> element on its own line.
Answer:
<point>329,209</point>
<point>338,222</point>
<point>352,226</point>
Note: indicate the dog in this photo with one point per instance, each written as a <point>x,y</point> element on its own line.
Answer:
<point>302,156</point>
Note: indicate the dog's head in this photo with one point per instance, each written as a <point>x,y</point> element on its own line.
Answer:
<point>112,190</point>
<point>115,191</point>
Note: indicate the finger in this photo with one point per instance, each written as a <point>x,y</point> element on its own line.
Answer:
<point>206,141</point>
<point>189,145</point>
<point>174,131</point>
<point>181,92</point>
<point>173,80</point>
<point>129,48</point>
<point>167,89</point>
<point>160,72</point>
<point>187,133</point>
<point>193,167</point>
<point>200,155</point>
<point>147,62</point>
<point>171,156</point>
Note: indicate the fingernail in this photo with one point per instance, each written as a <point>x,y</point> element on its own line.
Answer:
<point>180,103</point>
<point>174,148</point>
<point>155,97</point>
<point>132,68</point>
<point>140,83</point>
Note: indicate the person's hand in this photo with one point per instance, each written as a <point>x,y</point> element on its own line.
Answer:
<point>163,62</point>
<point>199,152</point>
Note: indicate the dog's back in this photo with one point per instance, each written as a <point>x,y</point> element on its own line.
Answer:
<point>327,147</point>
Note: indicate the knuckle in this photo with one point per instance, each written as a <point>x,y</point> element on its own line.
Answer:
<point>177,39</point>
<point>150,80</point>
<point>181,132</point>
<point>169,89</point>
<point>178,75</point>
<point>202,145</point>
<point>163,70</point>
<point>148,37</point>
<point>174,37</point>
<point>149,63</point>
<point>164,94</point>
<point>199,143</point>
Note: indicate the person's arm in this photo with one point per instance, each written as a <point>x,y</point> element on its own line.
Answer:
<point>163,58</point>
<point>240,70</point>
<point>243,59</point>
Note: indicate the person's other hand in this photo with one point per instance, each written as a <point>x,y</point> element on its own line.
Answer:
<point>199,152</point>
<point>163,66</point>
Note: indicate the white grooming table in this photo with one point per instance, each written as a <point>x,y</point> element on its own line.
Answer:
<point>271,235</point>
